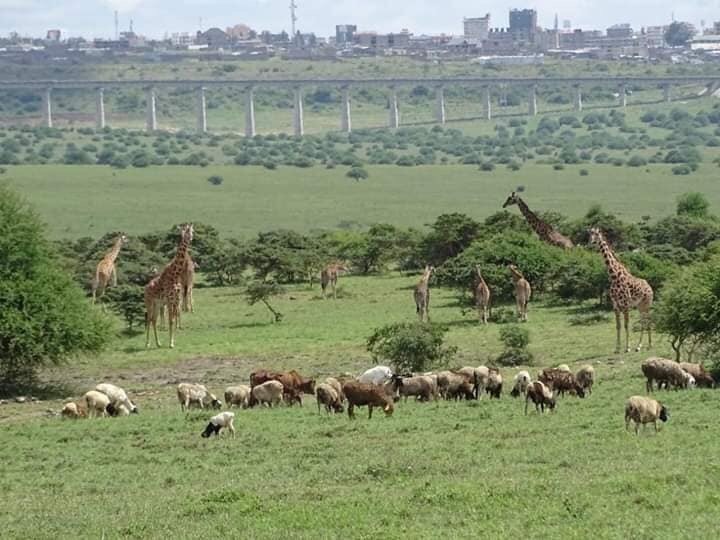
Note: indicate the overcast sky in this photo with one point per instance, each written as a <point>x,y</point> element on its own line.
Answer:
<point>153,18</point>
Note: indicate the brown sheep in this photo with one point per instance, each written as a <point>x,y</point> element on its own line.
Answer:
<point>643,410</point>
<point>561,381</point>
<point>540,395</point>
<point>359,394</point>
<point>702,377</point>
<point>457,384</point>
<point>663,371</point>
<point>586,378</point>
<point>326,395</point>
<point>421,386</point>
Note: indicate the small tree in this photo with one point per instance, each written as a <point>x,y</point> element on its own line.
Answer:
<point>262,291</point>
<point>128,301</point>
<point>516,339</point>
<point>215,180</point>
<point>692,204</point>
<point>410,346</point>
<point>679,33</point>
<point>357,174</point>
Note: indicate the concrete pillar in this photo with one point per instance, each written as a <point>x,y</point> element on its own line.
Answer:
<point>150,110</point>
<point>345,118</point>
<point>487,104</point>
<point>532,101</point>
<point>666,93</point>
<point>623,96</point>
<point>47,108</point>
<point>578,98</point>
<point>100,108</point>
<point>440,105</point>
<point>250,113</point>
<point>201,110</point>
<point>298,122</point>
<point>394,118</point>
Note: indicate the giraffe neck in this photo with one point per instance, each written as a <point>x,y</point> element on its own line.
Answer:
<point>538,225</point>
<point>516,275</point>
<point>113,253</point>
<point>425,279</point>
<point>615,267</point>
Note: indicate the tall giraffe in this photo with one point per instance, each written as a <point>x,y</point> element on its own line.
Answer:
<point>422,295</point>
<point>166,290</point>
<point>329,276</point>
<point>545,231</point>
<point>626,292</point>
<point>187,280</point>
<point>481,292</point>
<point>105,269</point>
<point>523,291</point>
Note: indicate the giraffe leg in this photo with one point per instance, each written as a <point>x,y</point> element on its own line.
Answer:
<point>644,325</point>
<point>626,318</point>
<point>114,276</point>
<point>617,328</point>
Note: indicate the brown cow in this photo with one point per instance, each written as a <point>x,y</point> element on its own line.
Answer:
<point>293,383</point>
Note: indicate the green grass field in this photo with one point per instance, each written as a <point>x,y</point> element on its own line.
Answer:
<point>91,200</point>
<point>465,469</point>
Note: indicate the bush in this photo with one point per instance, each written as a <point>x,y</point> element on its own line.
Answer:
<point>411,347</point>
<point>128,301</point>
<point>215,180</point>
<point>357,174</point>
<point>692,204</point>
<point>584,172</point>
<point>45,317</point>
<point>558,166</point>
<point>637,161</point>
<point>515,337</point>
<point>487,166</point>
<point>681,170</point>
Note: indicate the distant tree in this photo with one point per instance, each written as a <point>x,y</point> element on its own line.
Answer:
<point>692,204</point>
<point>679,33</point>
<point>450,235</point>
<point>215,180</point>
<point>128,302</point>
<point>262,290</point>
<point>357,174</point>
<point>45,318</point>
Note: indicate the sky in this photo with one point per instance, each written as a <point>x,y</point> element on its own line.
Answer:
<point>155,18</point>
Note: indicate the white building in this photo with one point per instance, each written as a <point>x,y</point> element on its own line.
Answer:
<point>476,27</point>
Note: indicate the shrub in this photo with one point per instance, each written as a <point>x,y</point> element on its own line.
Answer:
<point>692,204</point>
<point>128,301</point>
<point>411,347</point>
<point>487,166</point>
<point>584,172</point>
<point>681,170</point>
<point>558,166</point>
<point>515,337</point>
<point>260,290</point>
<point>215,180</point>
<point>45,317</point>
<point>357,174</point>
<point>637,161</point>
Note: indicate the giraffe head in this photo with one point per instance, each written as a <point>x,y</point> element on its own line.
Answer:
<point>512,199</point>
<point>123,238</point>
<point>186,232</point>
<point>596,236</point>
<point>514,270</point>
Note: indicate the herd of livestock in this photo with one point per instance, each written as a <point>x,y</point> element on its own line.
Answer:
<point>380,387</point>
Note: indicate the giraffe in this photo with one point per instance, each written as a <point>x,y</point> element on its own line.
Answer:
<point>482,296</point>
<point>626,292</point>
<point>329,276</point>
<point>166,290</point>
<point>523,291</point>
<point>187,280</point>
<point>545,231</point>
<point>105,270</point>
<point>422,295</point>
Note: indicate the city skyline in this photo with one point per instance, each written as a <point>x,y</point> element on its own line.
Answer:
<point>155,18</point>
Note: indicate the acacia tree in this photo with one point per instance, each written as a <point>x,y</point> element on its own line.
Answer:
<point>262,290</point>
<point>45,318</point>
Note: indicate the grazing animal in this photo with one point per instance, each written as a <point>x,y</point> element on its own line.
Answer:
<point>702,377</point>
<point>665,372</point>
<point>522,290</point>
<point>293,383</point>
<point>520,383</point>
<point>540,395</point>
<point>238,396</point>
<point>329,276</point>
<point>166,290</point>
<point>586,378</point>
<point>198,394</point>
<point>643,410</point>
<point>117,396</point>
<point>544,230</point>
<point>422,295</point>
<point>495,383</point>
<point>458,384</point>
<point>420,386</point>
<point>481,292</point>
<point>563,367</point>
<point>626,292</point>
<point>376,375</point>
<point>218,422</point>
<point>561,381</point>
<point>268,393</point>
<point>96,403</point>
<point>326,395</point>
<point>72,410</point>
<point>105,271</point>
<point>337,386</point>
<point>359,394</point>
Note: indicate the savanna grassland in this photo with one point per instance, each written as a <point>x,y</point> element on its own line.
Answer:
<point>453,469</point>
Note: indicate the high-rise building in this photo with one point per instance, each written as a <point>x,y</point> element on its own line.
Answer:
<point>476,27</point>
<point>344,34</point>
<point>523,20</point>
<point>53,35</point>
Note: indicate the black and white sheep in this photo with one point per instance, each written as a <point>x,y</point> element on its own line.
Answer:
<point>643,410</point>
<point>540,395</point>
<point>218,422</point>
<point>702,377</point>
<point>520,383</point>
<point>198,394</point>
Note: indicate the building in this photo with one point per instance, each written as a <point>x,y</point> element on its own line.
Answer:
<point>707,42</point>
<point>344,34</point>
<point>655,36</point>
<point>621,31</point>
<point>523,20</point>
<point>214,38</point>
<point>53,35</point>
<point>476,28</point>
<point>182,39</point>
<point>373,40</point>
<point>240,32</point>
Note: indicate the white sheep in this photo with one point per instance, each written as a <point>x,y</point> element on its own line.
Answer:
<point>117,396</point>
<point>337,386</point>
<point>219,421</point>
<point>237,395</point>
<point>96,403</point>
<point>269,392</point>
<point>520,383</point>
<point>643,410</point>
<point>71,410</point>
<point>191,393</point>
<point>376,375</point>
